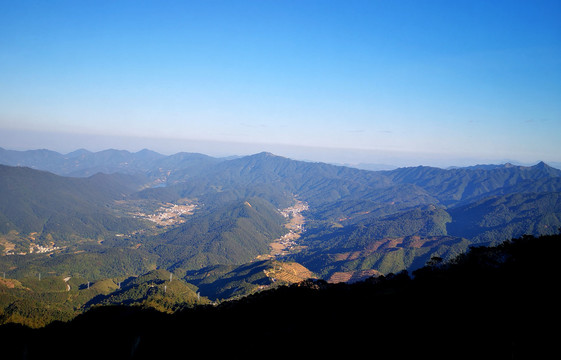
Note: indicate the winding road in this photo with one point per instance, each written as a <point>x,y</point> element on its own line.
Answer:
<point>66,281</point>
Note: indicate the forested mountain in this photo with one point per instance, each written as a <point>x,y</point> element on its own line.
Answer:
<point>498,218</point>
<point>156,289</point>
<point>461,185</point>
<point>228,281</point>
<point>233,234</point>
<point>56,208</point>
<point>388,244</point>
<point>220,225</point>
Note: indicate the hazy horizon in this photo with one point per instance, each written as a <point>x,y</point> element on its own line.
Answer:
<point>366,159</point>
<point>401,83</point>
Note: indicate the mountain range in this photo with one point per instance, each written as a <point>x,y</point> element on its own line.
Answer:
<point>228,227</point>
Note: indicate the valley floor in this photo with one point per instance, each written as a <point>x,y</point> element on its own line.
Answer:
<point>287,243</point>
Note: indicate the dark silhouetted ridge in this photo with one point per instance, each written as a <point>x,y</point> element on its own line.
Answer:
<point>483,304</point>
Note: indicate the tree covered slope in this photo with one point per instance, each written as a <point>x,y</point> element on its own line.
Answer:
<point>60,208</point>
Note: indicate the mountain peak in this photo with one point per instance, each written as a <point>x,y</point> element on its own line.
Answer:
<point>265,154</point>
<point>148,151</point>
<point>77,153</point>
<point>545,170</point>
<point>541,164</point>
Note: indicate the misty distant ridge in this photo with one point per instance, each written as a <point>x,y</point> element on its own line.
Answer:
<point>117,160</point>
<point>504,165</point>
<point>385,167</point>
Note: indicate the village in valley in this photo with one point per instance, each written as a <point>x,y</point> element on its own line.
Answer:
<point>8,244</point>
<point>169,214</point>
<point>295,225</point>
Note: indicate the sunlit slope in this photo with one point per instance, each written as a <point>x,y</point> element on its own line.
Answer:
<point>222,282</point>
<point>232,234</point>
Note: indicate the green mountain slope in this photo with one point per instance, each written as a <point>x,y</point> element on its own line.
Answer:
<point>157,289</point>
<point>62,209</point>
<point>38,301</point>
<point>405,240</point>
<point>464,184</point>
<point>231,234</point>
<point>92,262</point>
<point>222,282</point>
<point>499,218</point>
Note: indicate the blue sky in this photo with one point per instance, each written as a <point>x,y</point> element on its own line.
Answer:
<point>429,82</point>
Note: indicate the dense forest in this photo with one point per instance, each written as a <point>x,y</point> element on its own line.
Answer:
<point>484,303</point>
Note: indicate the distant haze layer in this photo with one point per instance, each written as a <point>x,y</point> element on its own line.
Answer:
<point>363,158</point>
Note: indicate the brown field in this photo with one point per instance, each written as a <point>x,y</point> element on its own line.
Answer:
<point>289,272</point>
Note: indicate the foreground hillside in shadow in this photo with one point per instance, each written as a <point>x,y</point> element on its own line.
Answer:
<point>483,304</point>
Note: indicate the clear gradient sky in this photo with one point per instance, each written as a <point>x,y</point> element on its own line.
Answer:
<point>430,81</point>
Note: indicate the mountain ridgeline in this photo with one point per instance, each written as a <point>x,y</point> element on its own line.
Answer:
<point>232,226</point>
